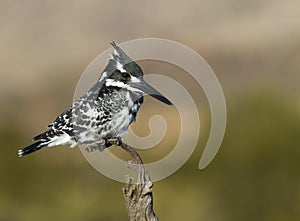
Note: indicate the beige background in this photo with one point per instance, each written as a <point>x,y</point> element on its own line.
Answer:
<point>253,47</point>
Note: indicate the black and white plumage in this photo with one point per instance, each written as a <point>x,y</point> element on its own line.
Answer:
<point>105,111</point>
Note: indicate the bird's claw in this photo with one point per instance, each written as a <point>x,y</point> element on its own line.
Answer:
<point>100,145</point>
<point>103,144</point>
<point>117,141</point>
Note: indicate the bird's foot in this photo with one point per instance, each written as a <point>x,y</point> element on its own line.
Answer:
<point>117,141</point>
<point>99,145</point>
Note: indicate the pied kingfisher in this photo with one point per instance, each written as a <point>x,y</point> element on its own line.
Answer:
<point>105,111</point>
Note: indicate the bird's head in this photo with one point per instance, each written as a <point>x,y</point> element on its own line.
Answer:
<point>124,73</point>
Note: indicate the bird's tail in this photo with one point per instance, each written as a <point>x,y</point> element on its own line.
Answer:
<point>32,148</point>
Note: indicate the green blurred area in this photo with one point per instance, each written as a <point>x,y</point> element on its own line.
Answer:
<point>255,174</point>
<point>254,50</point>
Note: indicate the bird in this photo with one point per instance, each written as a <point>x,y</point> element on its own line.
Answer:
<point>105,111</point>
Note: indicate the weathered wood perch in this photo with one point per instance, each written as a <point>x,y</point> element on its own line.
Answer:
<point>138,196</point>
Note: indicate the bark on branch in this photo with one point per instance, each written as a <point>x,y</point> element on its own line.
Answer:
<point>138,196</point>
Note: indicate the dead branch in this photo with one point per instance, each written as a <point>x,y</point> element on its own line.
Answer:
<point>138,196</point>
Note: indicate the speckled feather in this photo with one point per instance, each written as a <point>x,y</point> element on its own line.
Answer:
<point>105,111</point>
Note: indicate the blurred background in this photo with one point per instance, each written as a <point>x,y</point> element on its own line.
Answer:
<point>254,49</point>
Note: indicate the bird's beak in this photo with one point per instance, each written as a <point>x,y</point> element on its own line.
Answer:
<point>148,89</point>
